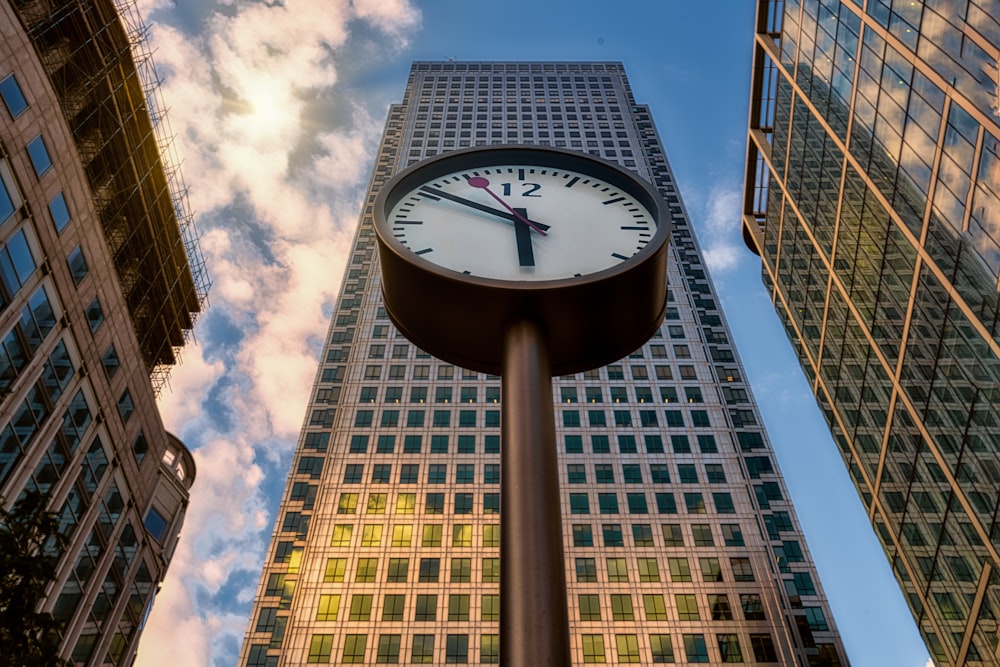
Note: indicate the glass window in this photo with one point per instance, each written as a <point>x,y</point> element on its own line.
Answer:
<point>430,569</point>
<point>695,648</point>
<point>437,473</point>
<point>617,570</point>
<point>491,570</point>
<point>593,648</point>
<point>632,474</point>
<point>590,607</point>
<point>763,648</point>
<point>655,608</point>
<point>718,605</point>
<point>695,503</point>
<point>426,608</point>
<point>354,473</point>
<point>637,503</point>
<point>367,570</point>
<point>613,535</point>
<point>431,535</point>
<point>348,503</point>
<point>642,534</point>
<point>729,648</point>
<point>59,211</point>
<point>649,569</point>
<point>388,649</point>
<point>702,535</point>
<point>461,535</point>
<point>398,570</point>
<point>491,503</point>
<point>662,648</point>
<point>320,647</point>
<point>733,536</point>
<point>423,649</point>
<point>457,649</point>
<point>621,607</point>
<point>77,265</point>
<point>608,503</point>
<point>489,651</point>
<point>335,569</point>
<point>155,523</point>
<point>463,503</point>
<point>110,361</point>
<point>125,406</point>
<point>39,155</point>
<point>672,535</point>
<point>583,535</point>
<point>458,607</point>
<point>12,96</point>
<point>680,570</point>
<point>95,315</point>
<point>753,609</point>
<point>491,607</point>
<point>711,570</point>
<point>604,474</point>
<point>327,609</point>
<point>461,570</point>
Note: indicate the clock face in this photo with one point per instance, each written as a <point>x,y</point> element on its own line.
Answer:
<point>521,222</point>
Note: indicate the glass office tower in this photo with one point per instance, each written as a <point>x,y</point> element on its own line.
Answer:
<point>681,543</point>
<point>100,281</point>
<point>873,199</point>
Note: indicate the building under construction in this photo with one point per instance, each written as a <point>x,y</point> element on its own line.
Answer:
<point>100,282</point>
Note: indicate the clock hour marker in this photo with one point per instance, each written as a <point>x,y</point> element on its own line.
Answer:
<point>635,228</point>
<point>424,251</point>
<point>613,201</point>
<point>520,174</point>
<point>573,181</point>
<point>410,222</point>
<point>614,254</point>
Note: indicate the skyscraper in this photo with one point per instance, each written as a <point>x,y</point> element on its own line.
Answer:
<point>100,278</point>
<point>873,199</point>
<point>681,544</point>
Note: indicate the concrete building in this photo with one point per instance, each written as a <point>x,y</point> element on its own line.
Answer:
<point>100,279</point>
<point>681,543</point>
<point>873,200</point>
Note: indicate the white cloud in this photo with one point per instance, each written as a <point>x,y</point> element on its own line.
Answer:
<point>721,232</point>
<point>275,240</point>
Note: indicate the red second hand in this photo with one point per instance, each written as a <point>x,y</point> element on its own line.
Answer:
<point>484,184</point>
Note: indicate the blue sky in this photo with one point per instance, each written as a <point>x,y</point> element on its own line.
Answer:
<point>278,107</point>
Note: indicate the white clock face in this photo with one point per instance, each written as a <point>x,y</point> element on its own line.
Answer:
<point>521,223</point>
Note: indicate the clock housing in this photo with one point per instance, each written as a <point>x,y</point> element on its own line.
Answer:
<point>605,297</point>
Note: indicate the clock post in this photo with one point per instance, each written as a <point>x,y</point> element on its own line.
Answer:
<point>534,623</point>
<point>560,269</point>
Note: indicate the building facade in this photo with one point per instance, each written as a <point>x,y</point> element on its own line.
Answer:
<point>873,199</point>
<point>100,279</point>
<point>681,544</point>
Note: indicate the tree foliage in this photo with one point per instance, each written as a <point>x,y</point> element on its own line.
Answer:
<point>29,540</point>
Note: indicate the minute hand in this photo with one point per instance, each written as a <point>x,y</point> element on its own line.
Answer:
<point>476,205</point>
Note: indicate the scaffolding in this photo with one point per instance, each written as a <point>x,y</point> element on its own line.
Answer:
<point>96,53</point>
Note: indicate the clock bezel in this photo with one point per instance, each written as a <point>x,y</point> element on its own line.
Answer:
<point>620,306</point>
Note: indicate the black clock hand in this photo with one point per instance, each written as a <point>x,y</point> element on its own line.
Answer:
<point>522,235</point>
<point>441,194</point>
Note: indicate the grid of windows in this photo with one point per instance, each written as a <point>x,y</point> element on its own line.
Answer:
<point>646,451</point>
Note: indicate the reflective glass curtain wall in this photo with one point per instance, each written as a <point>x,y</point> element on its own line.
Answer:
<point>873,199</point>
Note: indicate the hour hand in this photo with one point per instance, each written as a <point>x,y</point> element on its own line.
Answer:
<point>434,193</point>
<point>522,236</point>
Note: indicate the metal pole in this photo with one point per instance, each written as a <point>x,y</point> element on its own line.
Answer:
<point>534,623</point>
